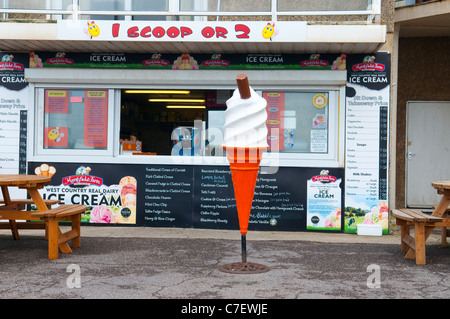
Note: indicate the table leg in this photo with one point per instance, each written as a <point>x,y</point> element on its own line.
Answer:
<point>442,206</point>
<point>5,194</point>
<point>444,237</point>
<point>14,229</point>
<point>76,226</point>
<point>37,199</point>
<point>12,223</point>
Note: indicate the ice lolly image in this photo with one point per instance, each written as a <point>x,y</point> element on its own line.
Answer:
<point>245,140</point>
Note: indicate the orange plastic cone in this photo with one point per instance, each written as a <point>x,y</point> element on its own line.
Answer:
<point>244,166</point>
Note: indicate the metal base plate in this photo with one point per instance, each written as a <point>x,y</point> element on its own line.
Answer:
<point>244,268</point>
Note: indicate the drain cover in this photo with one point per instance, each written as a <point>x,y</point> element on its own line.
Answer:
<point>244,268</point>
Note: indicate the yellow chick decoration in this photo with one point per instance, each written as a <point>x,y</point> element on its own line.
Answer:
<point>269,31</point>
<point>93,29</point>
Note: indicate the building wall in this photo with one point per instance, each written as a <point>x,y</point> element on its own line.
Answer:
<point>423,75</point>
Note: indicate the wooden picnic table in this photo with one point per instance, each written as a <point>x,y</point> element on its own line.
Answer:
<point>12,210</point>
<point>424,224</point>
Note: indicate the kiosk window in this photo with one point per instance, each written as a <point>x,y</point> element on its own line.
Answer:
<point>75,119</point>
<point>298,121</point>
<point>159,122</point>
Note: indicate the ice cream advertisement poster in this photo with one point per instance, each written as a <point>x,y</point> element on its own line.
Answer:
<point>324,198</point>
<point>367,141</point>
<point>360,210</point>
<point>188,61</point>
<point>113,203</point>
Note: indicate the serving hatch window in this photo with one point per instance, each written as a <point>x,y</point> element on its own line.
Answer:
<point>166,122</point>
<point>163,122</point>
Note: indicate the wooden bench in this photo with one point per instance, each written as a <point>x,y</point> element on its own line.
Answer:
<point>423,226</point>
<point>57,239</point>
<point>19,204</point>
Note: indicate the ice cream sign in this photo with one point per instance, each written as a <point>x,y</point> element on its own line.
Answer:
<point>114,203</point>
<point>166,31</point>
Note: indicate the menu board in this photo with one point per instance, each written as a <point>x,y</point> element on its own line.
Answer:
<point>277,203</point>
<point>215,204</point>
<point>57,101</point>
<point>13,113</point>
<point>96,118</point>
<point>367,116</point>
<point>167,196</point>
<point>13,139</point>
<point>187,196</point>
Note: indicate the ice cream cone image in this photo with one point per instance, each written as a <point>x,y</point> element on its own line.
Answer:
<point>51,171</point>
<point>244,166</point>
<point>44,169</point>
<point>245,141</point>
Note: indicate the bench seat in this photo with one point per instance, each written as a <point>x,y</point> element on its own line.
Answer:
<point>20,203</point>
<point>51,217</point>
<point>57,239</point>
<point>423,226</point>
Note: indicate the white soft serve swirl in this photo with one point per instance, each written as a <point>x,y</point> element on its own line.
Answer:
<point>245,121</point>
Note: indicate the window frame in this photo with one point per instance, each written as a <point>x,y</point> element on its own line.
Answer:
<point>40,123</point>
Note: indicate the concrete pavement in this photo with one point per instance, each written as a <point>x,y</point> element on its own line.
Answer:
<point>166,263</point>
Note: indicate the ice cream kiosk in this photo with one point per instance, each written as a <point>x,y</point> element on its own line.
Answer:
<point>71,113</point>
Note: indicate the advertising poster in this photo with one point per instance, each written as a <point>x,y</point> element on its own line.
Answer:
<point>96,118</point>
<point>56,101</point>
<point>188,61</point>
<point>13,114</point>
<point>324,202</point>
<point>111,198</point>
<point>366,160</point>
<point>275,120</point>
<point>56,136</point>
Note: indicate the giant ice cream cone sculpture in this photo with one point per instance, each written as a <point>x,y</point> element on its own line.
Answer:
<point>245,141</point>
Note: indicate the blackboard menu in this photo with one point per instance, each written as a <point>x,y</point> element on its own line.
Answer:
<point>214,203</point>
<point>278,204</point>
<point>167,192</point>
<point>187,196</point>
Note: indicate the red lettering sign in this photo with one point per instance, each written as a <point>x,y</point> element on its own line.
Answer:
<point>323,178</point>
<point>11,66</point>
<point>368,67</point>
<point>82,179</point>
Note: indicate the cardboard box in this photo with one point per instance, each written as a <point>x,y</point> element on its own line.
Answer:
<point>369,230</point>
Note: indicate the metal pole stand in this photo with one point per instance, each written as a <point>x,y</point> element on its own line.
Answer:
<point>244,267</point>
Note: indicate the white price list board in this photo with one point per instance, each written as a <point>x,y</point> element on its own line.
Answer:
<point>13,141</point>
<point>366,150</point>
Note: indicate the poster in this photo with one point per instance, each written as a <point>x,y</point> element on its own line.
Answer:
<point>188,61</point>
<point>56,136</point>
<point>366,161</point>
<point>110,198</point>
<point>56,101</point>
<point>324,202</point>
<point>275,120</point>
<point>96,118</point>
